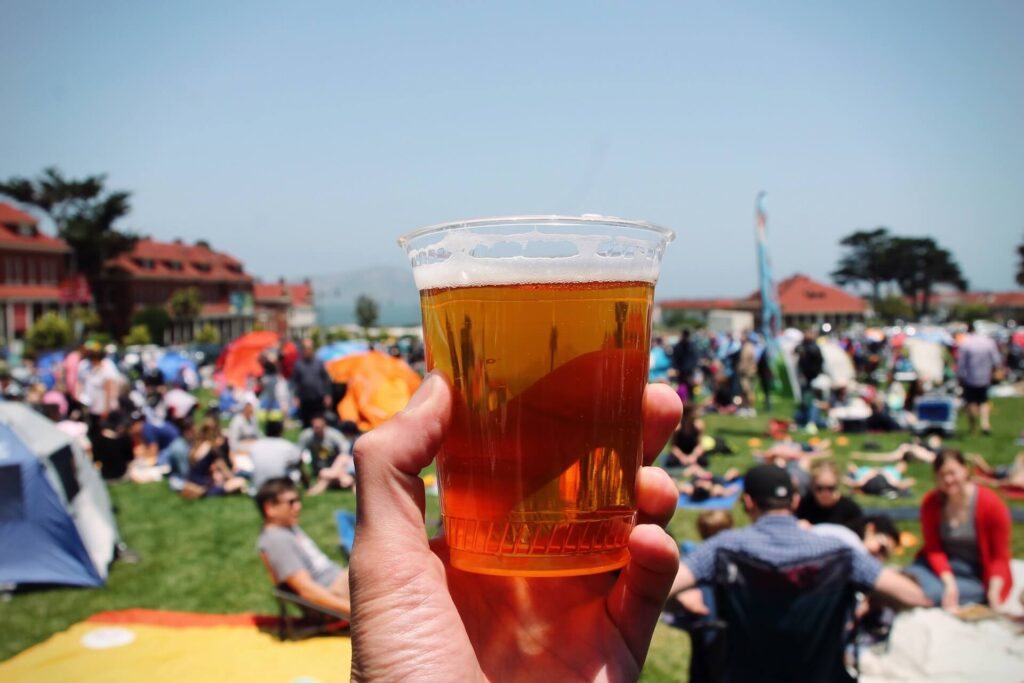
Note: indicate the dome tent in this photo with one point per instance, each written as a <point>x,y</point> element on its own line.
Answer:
<point>54,507</point>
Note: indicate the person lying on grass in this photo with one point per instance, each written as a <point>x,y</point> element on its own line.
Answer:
<point>703,485</point>
<point>907,452</point>
<point>887,481</point>
<point>1008,476</point>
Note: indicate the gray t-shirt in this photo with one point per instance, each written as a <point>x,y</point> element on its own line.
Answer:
<point>962,541</point>
<point>272,457</point>
<point>323,450</point>
<point>289,550</point>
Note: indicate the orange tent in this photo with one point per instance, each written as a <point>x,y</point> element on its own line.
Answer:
<point>378,386</point>
<point>241,359</point>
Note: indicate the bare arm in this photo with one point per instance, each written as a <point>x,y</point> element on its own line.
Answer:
<point>684,580</point>
<point>896,587</point>
<point>308,589</point>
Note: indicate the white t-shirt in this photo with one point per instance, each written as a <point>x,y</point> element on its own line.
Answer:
<point>93,389</point>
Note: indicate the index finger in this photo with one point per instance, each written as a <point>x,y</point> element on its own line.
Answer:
<point>662,410</point>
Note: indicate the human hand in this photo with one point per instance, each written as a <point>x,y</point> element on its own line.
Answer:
<point>995,589</point>
<point>414,616</point>
<point>950,596</point>
<point>692,600</point>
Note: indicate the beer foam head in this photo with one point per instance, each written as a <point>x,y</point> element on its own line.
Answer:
<point>535,249</point>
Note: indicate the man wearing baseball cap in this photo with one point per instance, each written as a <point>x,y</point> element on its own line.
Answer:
<point>775,537</point>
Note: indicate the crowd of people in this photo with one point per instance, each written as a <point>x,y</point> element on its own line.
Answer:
<point>141,426</point>
<point>795,500</point>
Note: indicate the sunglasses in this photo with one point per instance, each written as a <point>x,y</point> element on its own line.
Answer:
<point>290,501</point>
<point>830,489</point>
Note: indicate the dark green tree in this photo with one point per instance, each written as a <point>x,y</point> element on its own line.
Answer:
<point>83,211</point>
<point>1020,264</point>
<point>50,331</point>
<point>865,260</point>
<point>137,336</point>
<point>893,307</point>
<point>917,265</point>
<point>367,312</point>
<point>156,320</point>
<point>186,304</point>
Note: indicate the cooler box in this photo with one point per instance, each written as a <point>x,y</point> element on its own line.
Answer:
<point>935,414</point>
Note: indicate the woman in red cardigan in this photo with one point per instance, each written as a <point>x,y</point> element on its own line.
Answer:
<point>966,528</point>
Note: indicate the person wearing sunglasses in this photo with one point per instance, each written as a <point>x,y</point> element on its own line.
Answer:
<point>293,557</point>
<point>827,504</point>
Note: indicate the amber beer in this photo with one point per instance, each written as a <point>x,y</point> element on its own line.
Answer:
<point>538,471</point>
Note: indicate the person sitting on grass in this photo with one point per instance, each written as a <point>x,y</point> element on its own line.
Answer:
<point>244,426</point>
<point>690,445</point>
<point>210,472</point>
<point>703,485</point>
<point>329,454</point>
<point>876,535</point>
<point>294,560</point>
<point>966,527</point>
<point>797,459</point>
<point>273,456</point>
<point>906,452</point>
<point>887,481</point>
<point>827,504</point>
<point>774,537</point>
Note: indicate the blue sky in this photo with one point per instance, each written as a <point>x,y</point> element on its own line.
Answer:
<point>305,137</point>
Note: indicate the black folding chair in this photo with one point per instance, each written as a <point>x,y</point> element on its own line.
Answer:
<point>313,619</point>
<point>780,623</point>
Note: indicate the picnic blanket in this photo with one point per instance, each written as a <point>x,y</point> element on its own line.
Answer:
<point>156,646</point>
<point>904,514</point>
<point>933,645</point>
<point>723,503</point>
<point>1010,491</point>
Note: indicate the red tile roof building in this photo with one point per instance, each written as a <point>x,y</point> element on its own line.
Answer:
<point>1001,305</point>
<point>33,273</point>
<point>803,301</point>
<point>152,271</point>
<point>285,308</point>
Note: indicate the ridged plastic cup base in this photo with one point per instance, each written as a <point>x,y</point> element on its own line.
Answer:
<point>540,548</point>
<point>575,565</point>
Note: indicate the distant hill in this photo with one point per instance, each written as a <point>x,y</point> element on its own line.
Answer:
<point>392,288</point>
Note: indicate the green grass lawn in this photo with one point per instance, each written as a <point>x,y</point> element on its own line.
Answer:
<point>200,556</point>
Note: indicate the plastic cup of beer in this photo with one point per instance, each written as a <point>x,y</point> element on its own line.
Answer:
<point>542,326</point>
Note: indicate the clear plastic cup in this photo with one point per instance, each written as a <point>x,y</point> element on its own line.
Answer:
<point>542,326</point>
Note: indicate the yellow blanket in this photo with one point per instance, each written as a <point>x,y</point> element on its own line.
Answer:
<point>177,647</point>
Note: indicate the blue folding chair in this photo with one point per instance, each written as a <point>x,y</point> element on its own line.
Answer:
<point>346,522</point>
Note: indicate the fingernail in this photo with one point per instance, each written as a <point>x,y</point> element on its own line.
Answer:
<point>422,394</point>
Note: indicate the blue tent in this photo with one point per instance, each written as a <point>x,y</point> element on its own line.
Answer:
<point>173,363</point>
<point>49,367</point>
<point>54,508</point>
<point>340,349</point>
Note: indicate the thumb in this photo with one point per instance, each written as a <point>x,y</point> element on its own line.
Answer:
<point>389,492</point>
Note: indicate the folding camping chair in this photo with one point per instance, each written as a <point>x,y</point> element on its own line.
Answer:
<point>313,620</point>
<point>779,622</point>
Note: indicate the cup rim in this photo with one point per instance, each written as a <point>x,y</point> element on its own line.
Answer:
<point>550,219</point>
